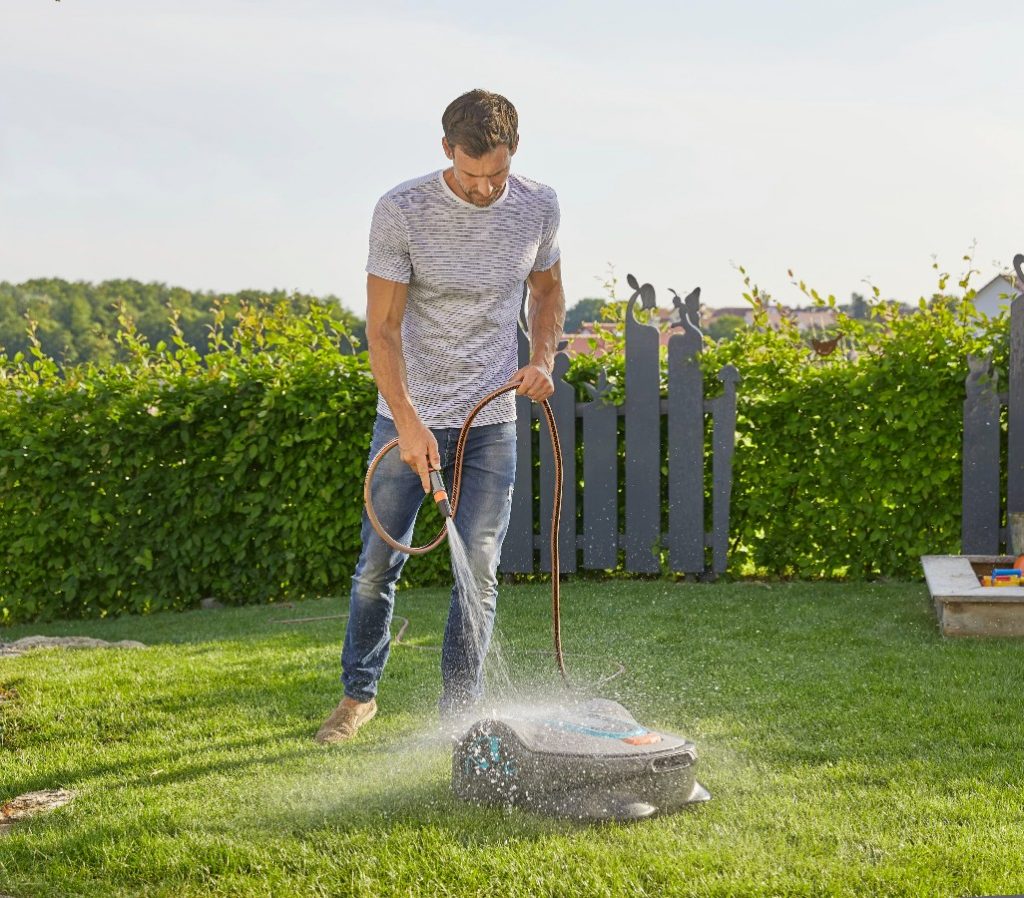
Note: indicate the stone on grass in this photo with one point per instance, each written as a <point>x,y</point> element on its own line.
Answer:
<point>31,803</point>
<point>27,643</point>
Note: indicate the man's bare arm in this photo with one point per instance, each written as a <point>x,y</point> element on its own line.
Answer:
<point>546,318</point>
<point>385,308</point>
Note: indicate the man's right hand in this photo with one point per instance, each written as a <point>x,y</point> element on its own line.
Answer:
<point>418,449</point>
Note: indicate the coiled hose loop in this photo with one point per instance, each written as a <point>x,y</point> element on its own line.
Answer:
<point>556,509</point>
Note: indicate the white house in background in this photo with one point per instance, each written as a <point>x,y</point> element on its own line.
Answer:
<point>995,295</point>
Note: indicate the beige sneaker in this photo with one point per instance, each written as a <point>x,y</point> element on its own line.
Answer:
<point>345,720</point>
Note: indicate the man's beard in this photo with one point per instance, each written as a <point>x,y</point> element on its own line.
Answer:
<point>478,199</point>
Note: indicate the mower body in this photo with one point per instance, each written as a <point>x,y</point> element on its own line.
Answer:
<point>592,762</point>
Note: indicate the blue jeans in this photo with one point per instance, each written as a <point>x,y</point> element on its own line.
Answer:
<point>485,502</point>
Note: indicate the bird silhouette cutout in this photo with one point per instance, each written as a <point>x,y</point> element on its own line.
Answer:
<point>687,310</point>
<point>600,391</point>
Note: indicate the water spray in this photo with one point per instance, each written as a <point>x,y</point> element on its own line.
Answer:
<point>589,762</point>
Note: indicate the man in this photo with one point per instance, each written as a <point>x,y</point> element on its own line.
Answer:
<point>449,255</point>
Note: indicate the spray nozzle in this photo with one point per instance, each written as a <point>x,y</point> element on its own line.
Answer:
<point>440,493</point>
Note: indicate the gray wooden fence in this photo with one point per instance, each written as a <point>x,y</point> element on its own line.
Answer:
<point>982,531</point>
<point>661,511</point>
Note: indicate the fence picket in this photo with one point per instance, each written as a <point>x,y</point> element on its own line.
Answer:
<point>517,550</point>
<point>600,421</point>
<point>643,437</point>
<point>723,440</point>
<point>686,445</point>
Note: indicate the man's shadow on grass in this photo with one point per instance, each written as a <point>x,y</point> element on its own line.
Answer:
<point>350,788</point>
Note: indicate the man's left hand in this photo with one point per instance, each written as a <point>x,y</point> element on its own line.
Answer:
<point>534,382</point>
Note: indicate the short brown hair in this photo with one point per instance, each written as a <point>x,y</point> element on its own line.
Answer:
<point>479,121</point>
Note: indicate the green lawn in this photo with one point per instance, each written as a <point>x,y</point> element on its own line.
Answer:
<point>849,750</point>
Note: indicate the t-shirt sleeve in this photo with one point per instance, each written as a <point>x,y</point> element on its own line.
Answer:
<point>389,244</point>
<point>548,252</point>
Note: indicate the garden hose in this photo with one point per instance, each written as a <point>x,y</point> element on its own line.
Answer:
<point>449,502</point>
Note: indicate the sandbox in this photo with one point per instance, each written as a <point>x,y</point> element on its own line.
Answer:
<point>963,605</point>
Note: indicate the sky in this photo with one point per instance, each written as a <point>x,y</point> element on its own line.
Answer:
<point>222,145</point>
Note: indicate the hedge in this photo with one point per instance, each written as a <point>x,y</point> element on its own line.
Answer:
<point>151,484</point>
<point>849,464</point>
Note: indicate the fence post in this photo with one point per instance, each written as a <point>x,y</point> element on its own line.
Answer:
<point>979,528</point>
<point>1015,401</point>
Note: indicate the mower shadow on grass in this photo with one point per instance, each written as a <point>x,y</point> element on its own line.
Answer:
<point>395,782</point>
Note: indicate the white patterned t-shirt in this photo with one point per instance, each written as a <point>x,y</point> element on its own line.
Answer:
<point>466,267</point>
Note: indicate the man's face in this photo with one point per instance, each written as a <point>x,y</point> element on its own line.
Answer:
<point>480,180</point>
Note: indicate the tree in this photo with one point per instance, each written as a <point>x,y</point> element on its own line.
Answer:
<point>588,309</point>
<point>76,321</point>
<point>725,327</point>
<point>859,307</point>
